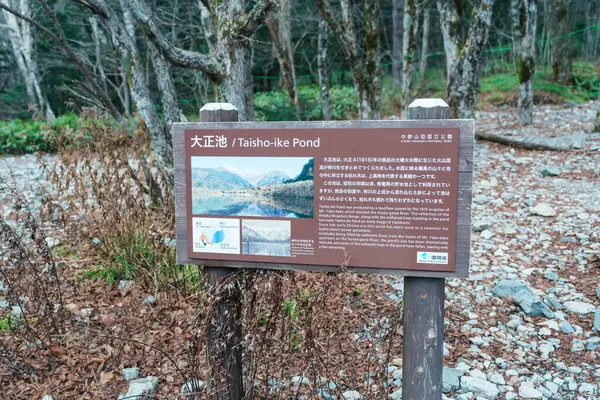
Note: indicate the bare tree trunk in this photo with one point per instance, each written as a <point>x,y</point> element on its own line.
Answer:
<point>366,72</point>
<point>280,28</point>
<point>464,69</point>
<point>515,19</point>
<point>562,59</point>
<point>125,68</point>
<point>168,95</point>
<point>20,34</point>
<point>424,40</point>
<point>409,49</point>
<point>527,61</point>
<point>589,38</point>
<point>372,79</point>
<point>323,69</point>
<point>397,40</point>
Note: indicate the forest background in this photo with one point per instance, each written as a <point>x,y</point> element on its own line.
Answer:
<point>286,60</point>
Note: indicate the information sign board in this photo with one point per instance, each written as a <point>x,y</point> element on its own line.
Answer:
<point>385,196</point>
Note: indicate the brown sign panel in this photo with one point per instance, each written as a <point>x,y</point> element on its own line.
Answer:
<point>309,196</point>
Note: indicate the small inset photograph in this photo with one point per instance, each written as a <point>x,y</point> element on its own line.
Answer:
<point>253,186</point>
<point>216,235</point>
<point>266,237</point>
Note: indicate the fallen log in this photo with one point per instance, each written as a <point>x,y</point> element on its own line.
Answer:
<point>523,142</point>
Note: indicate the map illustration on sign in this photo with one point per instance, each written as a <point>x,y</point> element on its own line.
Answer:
<point>216,235</point>
<point>281,187</point>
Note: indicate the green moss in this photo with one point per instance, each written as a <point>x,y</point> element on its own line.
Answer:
<point>526,70</point>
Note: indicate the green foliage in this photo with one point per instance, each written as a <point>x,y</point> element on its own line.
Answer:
<point>5,324</point>
<point>18,137</point>
<point>307,173</point>
<point>133,256</point>
<point>276,105</point>
<point>494,88</point>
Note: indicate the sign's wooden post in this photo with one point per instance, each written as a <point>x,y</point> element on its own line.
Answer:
<point>423,339</point>
<point>224,350</point>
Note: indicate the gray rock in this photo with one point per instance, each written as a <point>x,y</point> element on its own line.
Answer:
<point>325,394</point>
<point>550,170</point>
<point>577,345</point>
<point>569,239</point>
<point>551,275</point>
<point>16,312</point>
<point>481,199</point>
<point>553,302</point>
<point>451,379</point>
<point>587,388</point>
<point>531,304</point>
<point>543,210</point>
<point>149,300</point>
<point>597,320</point>
<point>480,226</point>
<point>351,395</point>
<point>130,374</point>
<point>125,285</point>
<point>52,242</point>
<point>497,378</point>
<point>552,387</point>
<point>191,387</point>
<point>140,389</point>
<point>527,391</point>
<point>300,380</point>
<point>579,307</point>
<point>546,349</point>
<point>479,387</point>
<point>4,304</point>
<point>593,343</point>
<point>487,234</point>
<point>508,287</point>
<point>515,322</point>
<point>566,327</point>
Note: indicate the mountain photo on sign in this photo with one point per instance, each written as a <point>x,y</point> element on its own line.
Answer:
<point>266,237</point>
<point>280,187</point>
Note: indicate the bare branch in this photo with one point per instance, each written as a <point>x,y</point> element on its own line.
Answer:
<point>256,17</point>
<point>175,55</point>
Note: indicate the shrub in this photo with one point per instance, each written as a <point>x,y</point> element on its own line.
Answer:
<point>276,105</point>
<point>19,137</point>
<point>120,206</point>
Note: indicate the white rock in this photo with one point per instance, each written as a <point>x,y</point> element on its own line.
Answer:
<point>527,391</point>
<point>544,210</point>
<point>497,378</point>
<point>130,374</point>
<point>479,387</point>
<point>192,386</point>
<point>351,395</point>
<point>579,307</point>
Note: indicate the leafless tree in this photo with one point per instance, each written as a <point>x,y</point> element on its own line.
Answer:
<point>323,69</point>
<point>365,65</point>
<point>279,23</point>
<point>527,60</point>
<point>464,53</point>
<point>21,36</point>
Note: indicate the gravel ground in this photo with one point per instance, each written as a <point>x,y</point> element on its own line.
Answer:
<point>526,324</point>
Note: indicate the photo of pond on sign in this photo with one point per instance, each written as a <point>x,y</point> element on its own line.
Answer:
<point>253,186</point>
